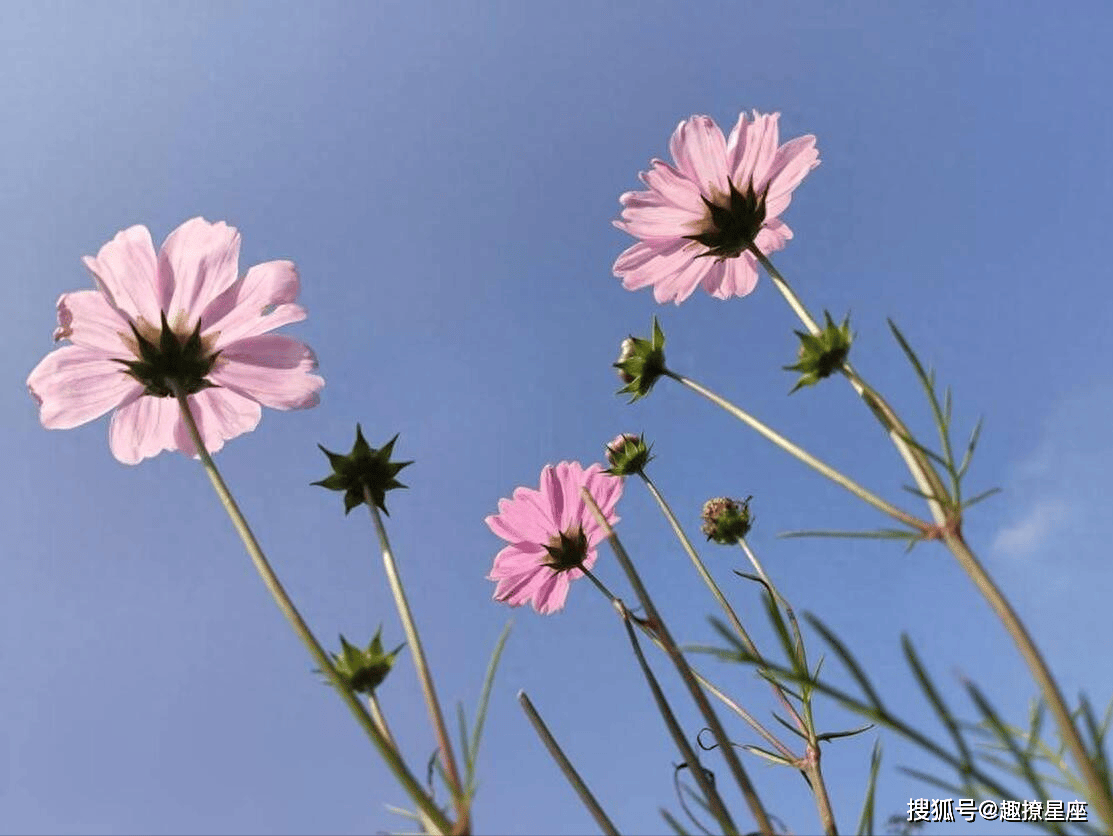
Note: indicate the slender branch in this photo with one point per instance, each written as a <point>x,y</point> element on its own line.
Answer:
<point>566,767</point>
<point>761,817</point>
<point>804,456</point>
<point>425,677</point>
<point>286,605</point>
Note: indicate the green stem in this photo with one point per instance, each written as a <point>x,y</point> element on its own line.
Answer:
<point>1099,793</point>
<point>929,483</point>
<point>801,454</point>
<point>424,675</point>
<point>717,593</point>
<point>927,480</point>
<point>320,657</point>
<point>810,765</point>
<point>707,684</point>
<point>672,650</point>
<point>566,767</point>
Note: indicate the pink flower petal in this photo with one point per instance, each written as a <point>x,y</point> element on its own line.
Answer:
<point>74,385</point>
<point>85,318</point>
<point>698,147</point>
<point>143,428</point>
<point>198,262</point>
<point>552,494</point>
<point>672,186</point>
<point>221,415</point>
<point>261,301</point>
<point>752,148</point>
<point>790,165</point>
<point>125,270</point>
<point>740,278</point>
<point>272,369</point>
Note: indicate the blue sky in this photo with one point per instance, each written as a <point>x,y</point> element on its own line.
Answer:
<point>445,175</point>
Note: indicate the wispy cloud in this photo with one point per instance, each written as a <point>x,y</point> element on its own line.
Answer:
<point>1062,486</point>
<point>1040,521</point>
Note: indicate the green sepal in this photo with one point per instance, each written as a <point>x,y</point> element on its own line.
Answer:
<point>171,361</point>
<point>364,670</point>
<point>364,466</point>
<point>641,362</point>
<point>822,354</point>
<point>630,456</point>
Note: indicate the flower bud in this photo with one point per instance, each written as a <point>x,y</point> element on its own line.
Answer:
<point>627,454</point>
<point>726,520</point>
<point>822,354</point>
<point>641,362</point>
<point>364,670</point>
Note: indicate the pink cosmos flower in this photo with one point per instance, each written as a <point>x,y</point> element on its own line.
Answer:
<point>551,531</point>
<point>182,319</point>
<point>698,220</point>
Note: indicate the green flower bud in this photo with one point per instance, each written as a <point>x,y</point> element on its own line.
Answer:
<point>822,354</point>
<point>627,454</point>
<point>641,362</point>
<point>364,670</point>
<point>726,520</point>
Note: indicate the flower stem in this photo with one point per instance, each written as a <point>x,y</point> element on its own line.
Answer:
<point>717,593</point>
<point>948,525</point>
<point>1100,794</point>
<point>422,666</point>
<point>810,763</point>
<point>927,480</point>
<point>566,767</point>
<point>801,454</point>
<point>700,568</point>
<point>647,629</point>
<point>672,650</point>
<point>320,657</point>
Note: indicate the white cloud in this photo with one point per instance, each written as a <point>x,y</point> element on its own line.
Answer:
<point>1042,519</point>
<point>1061,488</point>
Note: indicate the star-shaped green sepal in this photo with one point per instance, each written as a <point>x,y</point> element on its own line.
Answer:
<point>364,466</point>
<point>822,354</point>
<point>641,363</point>
<point>364,670</point>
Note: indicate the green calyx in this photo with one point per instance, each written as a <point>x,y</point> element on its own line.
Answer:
<point>171,362</point>
<point>734,226</point>
<point>567,549</point>
<point>364,670</point>
<point>822,354</point>
<point>725,520</point>
<point>641,363</point>
<point>627,455</point>
<point>363,467</point>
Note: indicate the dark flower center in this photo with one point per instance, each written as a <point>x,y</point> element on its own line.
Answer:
<point>173,362</point>
<point>567,549</point>
<point>733,227</point>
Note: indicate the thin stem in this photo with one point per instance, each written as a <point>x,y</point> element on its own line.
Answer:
<point>717,593</point>
<point>801,454</point>
<point>927,480</point>
<point>677,657</point>
<point>647,629</point>
<point>929,483</point>
<point>424,675</point>
<point>1099,793</point>
<point>324,663</point>
<point>810,765</point>
<point>700,568</point>
<point>566,767</point>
